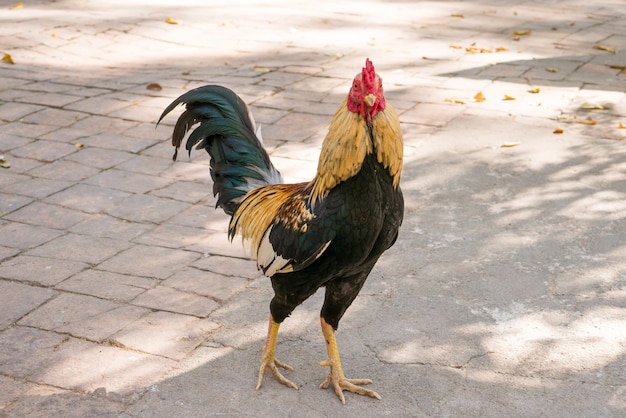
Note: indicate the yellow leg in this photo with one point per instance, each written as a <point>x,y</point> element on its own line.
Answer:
<point>269,362</point>
<point>336,376</point>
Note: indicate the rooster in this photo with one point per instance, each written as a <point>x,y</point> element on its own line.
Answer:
<point>328,232</point>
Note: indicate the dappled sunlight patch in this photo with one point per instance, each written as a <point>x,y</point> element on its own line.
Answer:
<point>414,352</point>
<point>601,205</point>
<point>605,278</point>
<point>556,343</point>
<point>491,377</point>
<point>86,367</point>
<point>528,204</point>
<point>571,199</point>
<point>165,334</point>
<point>509,241</point>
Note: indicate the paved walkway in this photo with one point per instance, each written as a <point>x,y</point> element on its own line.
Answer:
<point>505,294</point>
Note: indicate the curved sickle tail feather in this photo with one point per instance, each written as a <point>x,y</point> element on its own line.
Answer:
<point>227,131</point>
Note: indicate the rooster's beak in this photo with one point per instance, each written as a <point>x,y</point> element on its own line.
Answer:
<point>370,99</point>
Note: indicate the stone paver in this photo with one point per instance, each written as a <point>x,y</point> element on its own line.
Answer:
<point>505,294</point>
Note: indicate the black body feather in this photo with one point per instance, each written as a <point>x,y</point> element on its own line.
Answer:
<point>361,218</point>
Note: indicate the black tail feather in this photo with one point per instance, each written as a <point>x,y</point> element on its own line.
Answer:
<point>227,131</point>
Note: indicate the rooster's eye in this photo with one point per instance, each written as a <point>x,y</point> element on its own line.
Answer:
<point>355,86</point>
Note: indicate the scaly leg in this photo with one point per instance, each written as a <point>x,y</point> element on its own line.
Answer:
<point>336,376</point>
<point>269,362</point>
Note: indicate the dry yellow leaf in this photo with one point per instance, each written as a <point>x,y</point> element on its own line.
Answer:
<point>4,163</point>
<point>452,100</point>
<point>535,90</point>
<point>522,33</point>
<point>558,131</point>
<point>480,97</point>
<point>456,47</point>
<point>261,69</point>
<point>604,48</point>
<point>79,145</point>
<point>586,121</point>
<point>621,126</point>
<point>501,49</point>
<point>510,144</point>
<point>172,21</point>
<point>476,50</point>
<point>459,15</point>
<point>593,106</point>
<point>552,70</point>
<point>507,97</point>
<point>54,35</point>
<point>17,6</point>
<point>8,59</point>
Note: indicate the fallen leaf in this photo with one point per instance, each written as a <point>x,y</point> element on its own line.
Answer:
<point>456,47</point>
<point>54,35</point>
<point>79,145</point>
<point>452,100</point>
<point>4,163</point>
<point>558,131</point>
<point>459,15</point>
<point>535,90</point>
<point>8,59</point>
<point>604,48</point>
<point>586,121</point>
<point>476,50</point>
<point>262,69</point>
<point>479,97</point>
<point>172,21</point>
<point>154,87</point>
<point>621,126</point>
<point>552,70</point>
<point>510,144</point>
<point>522,33</point>
<point>507,97</point>
<point>17,6</point>
<point>593,106</point>
<point>501,49</point>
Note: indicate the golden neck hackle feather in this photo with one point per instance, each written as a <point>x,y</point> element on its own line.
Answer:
<point>348,142</point>
<point>343,151</point>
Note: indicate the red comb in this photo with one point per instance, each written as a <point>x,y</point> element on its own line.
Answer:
<point>369,75</point>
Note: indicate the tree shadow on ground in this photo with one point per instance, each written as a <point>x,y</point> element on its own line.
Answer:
<point>504,294</point>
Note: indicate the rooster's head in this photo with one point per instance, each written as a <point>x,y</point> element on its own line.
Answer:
<point>366,95</point>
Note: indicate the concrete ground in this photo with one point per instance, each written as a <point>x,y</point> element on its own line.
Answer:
<point>505,294</point>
